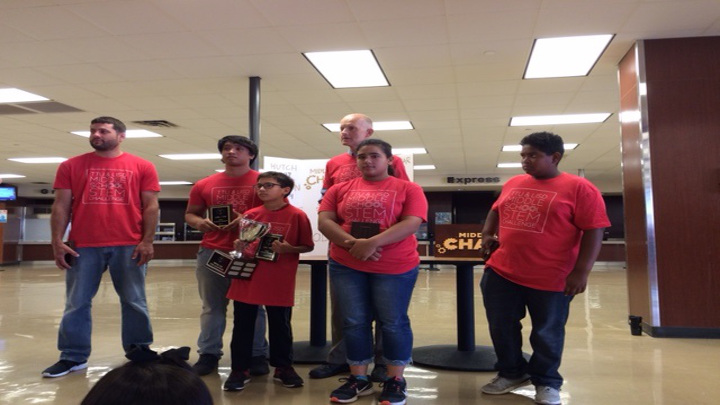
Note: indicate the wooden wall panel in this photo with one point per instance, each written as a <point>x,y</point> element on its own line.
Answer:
<point>683,103</point>
<point>683,144</point>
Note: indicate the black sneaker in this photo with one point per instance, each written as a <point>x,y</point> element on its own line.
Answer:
<point>351,390</point>
<point>379,373</point>
<point>288,377</point>
<point>394,392</point>
<point>329,370</point>
<point>63,367</point>
<point>206,364</point>
<point>259,365</point>
<point>236,381</point>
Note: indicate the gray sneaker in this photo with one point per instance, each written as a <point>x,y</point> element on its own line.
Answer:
<point>501,385</point>
<point>547,395</point>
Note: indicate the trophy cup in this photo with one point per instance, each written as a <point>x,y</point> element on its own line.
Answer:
<point>250,230</point>
<point>234,264</point>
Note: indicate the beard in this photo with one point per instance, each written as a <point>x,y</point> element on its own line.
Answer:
<point>104,145</point>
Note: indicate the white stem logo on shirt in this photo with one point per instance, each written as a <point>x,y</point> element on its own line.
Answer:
<point>107,186</point>
<point>526,209</point>
<point>368,206</point>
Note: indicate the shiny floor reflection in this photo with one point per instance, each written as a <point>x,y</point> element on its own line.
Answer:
<point>603,363</point>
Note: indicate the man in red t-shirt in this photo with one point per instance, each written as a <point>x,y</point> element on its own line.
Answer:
<point>354,128</point>
<point>541,237</point>
<point>110,197</point>
<point>234,187</point>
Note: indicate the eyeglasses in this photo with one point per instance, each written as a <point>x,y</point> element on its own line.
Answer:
<point>266,186</point>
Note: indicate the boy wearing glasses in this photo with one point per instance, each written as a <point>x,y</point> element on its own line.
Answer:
<point>234,187</point>
<point>272,283</point>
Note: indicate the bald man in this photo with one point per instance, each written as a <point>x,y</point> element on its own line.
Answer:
<point>354,128</point>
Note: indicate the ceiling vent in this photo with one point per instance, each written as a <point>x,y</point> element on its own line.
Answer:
<point>156,123</point>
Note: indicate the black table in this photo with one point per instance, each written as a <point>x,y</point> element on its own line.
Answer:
<point>465,356</point>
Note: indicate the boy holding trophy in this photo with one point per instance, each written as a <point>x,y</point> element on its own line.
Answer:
<point>272,283</point>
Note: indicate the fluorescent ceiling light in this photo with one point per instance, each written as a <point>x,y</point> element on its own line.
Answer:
<point>12,95</point>
<point>558,119</point>
<point>39,160</point>
<point>409,151</point>
<point>518,148</point>
<point>11,176</point>
<point>130,133</point>
<point>565,56</point>
<point>193,156</point>
<point>378,126</point>
<point>175,183</point>
<point>509,165</point>
<point>347,69</point>
<point>424,167</point>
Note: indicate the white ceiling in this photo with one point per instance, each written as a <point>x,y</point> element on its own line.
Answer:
<point>455,68</point>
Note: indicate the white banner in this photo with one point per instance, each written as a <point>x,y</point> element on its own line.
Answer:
<point>408,162</point>
<point>308,175</point>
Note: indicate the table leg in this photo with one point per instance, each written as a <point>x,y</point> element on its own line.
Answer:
<point>316,350</point>
<point>465,356</point>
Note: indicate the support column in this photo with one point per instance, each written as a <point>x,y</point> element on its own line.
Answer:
<point>670,123</point>
<point>254,115</point>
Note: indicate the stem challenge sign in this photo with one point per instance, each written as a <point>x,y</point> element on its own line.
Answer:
<point>458,240</point>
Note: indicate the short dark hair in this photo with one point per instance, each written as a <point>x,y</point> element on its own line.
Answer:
<point>386,148</point>
<point>283,179</point>
<point>149,383</point>
<point>243,141</point>
<point>118,125</point>
<point>547,142</point>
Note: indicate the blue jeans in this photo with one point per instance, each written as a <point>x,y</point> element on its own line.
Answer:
<point>338,352</point>
<point>213,290</point>
<point>505,304</point>
<point>386,296</point>
<point>82,282</point>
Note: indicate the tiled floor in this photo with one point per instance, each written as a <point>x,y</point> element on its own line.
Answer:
<point>603,363</point>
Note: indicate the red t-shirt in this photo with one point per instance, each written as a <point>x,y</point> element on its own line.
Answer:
<point>221,189</point>
<point>384,202</point>
<point>342,168</point>
<point>273,283</point>
<point>107,203</point>
<point>541,223</point>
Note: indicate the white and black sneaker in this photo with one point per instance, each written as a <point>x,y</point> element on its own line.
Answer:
<point>352,389</point>
<point>63,367</point>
